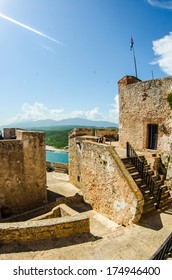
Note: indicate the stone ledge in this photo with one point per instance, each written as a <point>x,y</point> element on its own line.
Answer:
<point>44,229</point>
<point>59,211</point>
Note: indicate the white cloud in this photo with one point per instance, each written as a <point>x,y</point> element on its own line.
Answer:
<point>160,4</point>
<point>92,114</point>
<point>114,111</point>
<point>162,48</point>
<point>39,111</point>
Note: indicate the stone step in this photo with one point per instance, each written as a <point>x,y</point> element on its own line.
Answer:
<point>59,167</point>
<point>60,170</point>
<point>166,205</point>
<point>145,191</point>
<point>159,183</point>
<point>165,202</point>
<point>135,175</point>
<point>149,208</point>
<point>150,201</point>
<point>147,196</point>
<point>164,187</point>
<point>129,165</point>
<point>125,160</point>
<point>149,205</point>
<point>165,195</point>
<point>132,170</point>
<point>165,192</point>
<point>139,182</point>
<point>143,186</point>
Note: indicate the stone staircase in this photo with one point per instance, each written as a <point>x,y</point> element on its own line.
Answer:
<point>150,205</point>
<point>60,168</point>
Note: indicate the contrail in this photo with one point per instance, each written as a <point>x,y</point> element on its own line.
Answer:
<point>30,28</point>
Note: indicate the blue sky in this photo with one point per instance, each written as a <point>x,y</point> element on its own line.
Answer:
<point>63,58</point>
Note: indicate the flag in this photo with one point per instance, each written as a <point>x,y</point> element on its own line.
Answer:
<point>131,44</point>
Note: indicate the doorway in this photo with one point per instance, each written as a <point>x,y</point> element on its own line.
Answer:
<point>152,136</point>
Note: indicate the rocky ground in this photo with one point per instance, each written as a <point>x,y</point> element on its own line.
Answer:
<point>107,240</point>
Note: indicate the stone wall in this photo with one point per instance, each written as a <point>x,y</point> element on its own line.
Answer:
<point>31,214</point>
<point>167,161</point>
<point>76,137</point>
<point>22,171</point>
<point>141,104</point>
<point>9,133</point>
<point>61,210</point>
<point>12,182</point>
<point>35,167</point>
<point>109,134</point>
<point>105,183</point>
<point>44,229</point>
<point>107,186</point>
<point>75,154</point>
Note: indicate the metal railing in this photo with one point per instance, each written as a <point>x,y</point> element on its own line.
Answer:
<point>164,251</point>
<point>155,189</point>
<point>137,162</point>
<point>162,170</point>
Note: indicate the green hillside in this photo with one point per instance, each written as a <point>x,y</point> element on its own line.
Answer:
<point>57,138</point>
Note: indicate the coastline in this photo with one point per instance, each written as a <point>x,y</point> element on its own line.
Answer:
<point>53,149</point>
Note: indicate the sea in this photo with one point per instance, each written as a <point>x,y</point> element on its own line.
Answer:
<point>61,157</point>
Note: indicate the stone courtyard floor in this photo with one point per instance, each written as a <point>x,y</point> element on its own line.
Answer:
<point>107,240</point>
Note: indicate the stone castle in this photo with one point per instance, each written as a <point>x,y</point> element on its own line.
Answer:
<point>145,115</point>
<point>105,176</point>
<point>145,118</point>
<point>121,186</point>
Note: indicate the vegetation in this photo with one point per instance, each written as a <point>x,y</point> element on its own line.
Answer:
<point>169,99</point>
<point>57,138</point>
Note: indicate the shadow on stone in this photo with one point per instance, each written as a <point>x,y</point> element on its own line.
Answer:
<point>52,196</point>
<point>81,207</point>
<point>168,211</point>
<point>43,245</point>
<point>153,222</point>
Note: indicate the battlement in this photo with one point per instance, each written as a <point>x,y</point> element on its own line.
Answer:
<point>22,170</point>
<point>126,80</point>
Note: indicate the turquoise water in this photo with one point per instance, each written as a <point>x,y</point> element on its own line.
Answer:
<point>61,157</point>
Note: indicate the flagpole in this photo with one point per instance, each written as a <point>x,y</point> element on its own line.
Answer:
<point>134,57</point>
<point>135,65</point>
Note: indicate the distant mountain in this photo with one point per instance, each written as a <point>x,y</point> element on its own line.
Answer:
<point>66,122</point>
